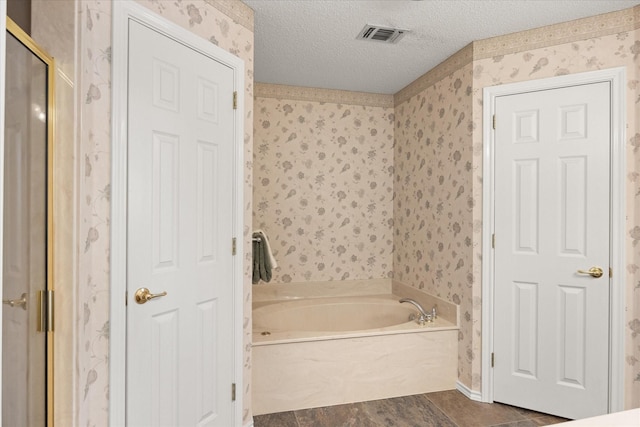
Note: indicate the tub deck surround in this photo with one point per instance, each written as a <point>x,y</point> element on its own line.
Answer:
<point>318,363</point>
<point>283,291</point>
<point>446,310</point>
<point>277,292</point>
<point>316,319</point>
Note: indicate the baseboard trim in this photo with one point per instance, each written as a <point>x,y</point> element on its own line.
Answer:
<point>250,423</point>
<point>471,394</point>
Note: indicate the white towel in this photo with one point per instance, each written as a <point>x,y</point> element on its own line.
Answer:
<point>264,238</point>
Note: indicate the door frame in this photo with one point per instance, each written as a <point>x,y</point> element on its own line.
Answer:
<point>122,13</point>
<point>617,78</point>
<point>3,42</point>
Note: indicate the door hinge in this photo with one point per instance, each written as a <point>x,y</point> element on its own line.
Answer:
<point>234,246</point>
<point>493,360</point>
<point>235,100</point>
<point>233,392</point>
<point>494,121</point>
<point>610,272</point>
<point>45,311</point>
<point>493,241</point>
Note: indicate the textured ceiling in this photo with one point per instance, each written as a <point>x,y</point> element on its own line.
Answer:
<point>313,42</point>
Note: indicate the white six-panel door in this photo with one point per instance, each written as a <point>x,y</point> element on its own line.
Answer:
<point>179,345</point>
<point>552,205</point>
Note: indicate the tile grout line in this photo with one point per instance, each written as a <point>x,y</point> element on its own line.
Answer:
<point>295,416</point>
<point>520,416</point>
<point>365,409</point>
<point>446,414</point>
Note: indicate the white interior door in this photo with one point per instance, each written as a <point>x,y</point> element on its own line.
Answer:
<point>180,151</point>
<point>552,207</point>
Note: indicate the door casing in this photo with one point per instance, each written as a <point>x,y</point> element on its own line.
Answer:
<point>122,13</point>
<point>617,78</point>
<point>3,42</point>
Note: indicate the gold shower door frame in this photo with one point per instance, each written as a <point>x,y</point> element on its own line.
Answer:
<point>17,32</point>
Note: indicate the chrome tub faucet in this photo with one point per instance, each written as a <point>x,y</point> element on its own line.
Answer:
<point>424,316</point>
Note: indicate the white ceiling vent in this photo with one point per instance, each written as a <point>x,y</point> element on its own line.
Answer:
<point>381,34</point>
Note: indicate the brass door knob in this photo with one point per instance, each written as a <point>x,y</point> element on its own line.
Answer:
<point>143,295</point>
<point>593,272</point>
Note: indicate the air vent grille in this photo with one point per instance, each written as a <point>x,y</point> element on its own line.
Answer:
<point>381,34</point>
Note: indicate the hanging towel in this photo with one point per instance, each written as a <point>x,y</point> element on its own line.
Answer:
<point>263,261</point>
<point>265,239</point>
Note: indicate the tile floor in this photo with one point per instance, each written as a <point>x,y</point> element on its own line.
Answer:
<point>441,409</point>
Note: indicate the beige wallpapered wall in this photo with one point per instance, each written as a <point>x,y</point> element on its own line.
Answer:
<point>323,189</point>
<point>433,236</point>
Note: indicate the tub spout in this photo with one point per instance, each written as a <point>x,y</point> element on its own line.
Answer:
<point>424,316</point>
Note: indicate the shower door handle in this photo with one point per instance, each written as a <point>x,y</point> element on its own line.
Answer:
<point>22,302</point>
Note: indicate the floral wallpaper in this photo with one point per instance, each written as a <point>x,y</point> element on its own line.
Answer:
<point>323,188</point>
<point>94,136</point>
<point>226,23</point>
<point>433,246</point>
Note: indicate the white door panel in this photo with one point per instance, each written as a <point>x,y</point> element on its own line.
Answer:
<point>179,346</point>
<point>551,339</point>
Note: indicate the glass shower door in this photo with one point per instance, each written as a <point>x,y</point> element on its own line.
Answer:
<point>26,233</point>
